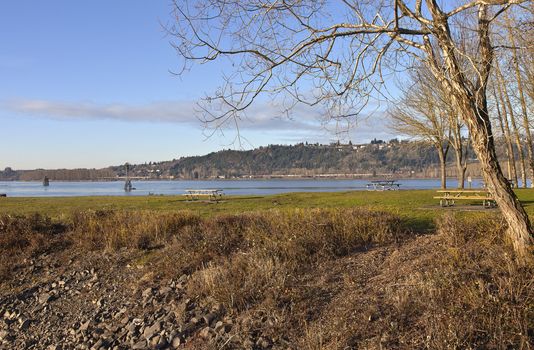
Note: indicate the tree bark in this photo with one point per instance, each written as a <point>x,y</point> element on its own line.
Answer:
<point>442,154</point>
<point>519,227</point>
<point>505,130</point>
<point>526,126</point>
<point>515,129</point>
<point>458,145</point>
<point>461,168</point>
<point>472,106</point>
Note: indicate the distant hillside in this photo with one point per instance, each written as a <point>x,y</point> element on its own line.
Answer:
<point>404,159</point>
<point>308,160</point>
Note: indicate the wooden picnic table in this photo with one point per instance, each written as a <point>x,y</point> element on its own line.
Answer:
<point>448,197</point>
<point>383,185</point>
<point>211,194</point>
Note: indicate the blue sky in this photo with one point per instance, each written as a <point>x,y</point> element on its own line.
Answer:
<point>87,84</point>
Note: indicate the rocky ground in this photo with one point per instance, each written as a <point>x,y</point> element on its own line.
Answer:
<point>91,301</point>
<point>97,300</point>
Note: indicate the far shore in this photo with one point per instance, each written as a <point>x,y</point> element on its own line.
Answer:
<point>274,177</point>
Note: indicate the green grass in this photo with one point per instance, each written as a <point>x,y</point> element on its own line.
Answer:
<point>416,206</point>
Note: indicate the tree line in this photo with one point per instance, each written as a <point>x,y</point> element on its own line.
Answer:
<point>426,113</point>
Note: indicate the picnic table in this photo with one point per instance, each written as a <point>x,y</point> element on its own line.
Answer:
<point>383,185</point>
<point>449,197</point>
<point>211,194</point>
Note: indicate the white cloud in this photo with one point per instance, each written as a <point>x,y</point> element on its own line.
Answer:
<point>305,124</point>
<point>174,112</point>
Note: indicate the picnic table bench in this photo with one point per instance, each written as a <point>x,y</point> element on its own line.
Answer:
<point>448,197</point>
<point>383,185</point>
<point>211,194</point>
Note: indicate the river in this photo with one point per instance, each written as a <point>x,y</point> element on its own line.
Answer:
<point>230,187</point>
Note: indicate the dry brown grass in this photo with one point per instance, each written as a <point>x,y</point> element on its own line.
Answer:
<point>111,230</point>
<point>23,237</point>
<point>319,279</point>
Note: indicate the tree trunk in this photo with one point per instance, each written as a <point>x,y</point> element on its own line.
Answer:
<point>517,137</point>
<point>458,145</point>
<point>442,154</point>
<point>505,130</point>
<point>461,168</point>
<point>472,106</point>
<point>519,227</point>
<point>526,126</point>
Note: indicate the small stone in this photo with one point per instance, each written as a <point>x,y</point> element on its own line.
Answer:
<point>176,341</point>
<point>209,318</point>
<point>140,345</point>
<point>263,343</point>
<point>165,290</point>
<point>24,324</point>
<point>84,326</point>
<point>205,332</point>
<point>154,341</point>
<point>124,320</point>
<point>97,345</point>
<point>147,292</point>
<point>152,330</point>
<point>132,328</point>
<point>44,298</point>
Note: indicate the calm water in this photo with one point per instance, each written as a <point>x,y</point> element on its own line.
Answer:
<point>231,187</point>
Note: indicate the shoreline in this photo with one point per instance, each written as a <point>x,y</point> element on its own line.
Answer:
<point>275,178</point>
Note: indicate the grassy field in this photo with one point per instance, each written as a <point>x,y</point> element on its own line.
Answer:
<point>351,269</point>
<point>415,206</point>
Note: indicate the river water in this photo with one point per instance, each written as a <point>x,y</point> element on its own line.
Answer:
<point>230,187</point>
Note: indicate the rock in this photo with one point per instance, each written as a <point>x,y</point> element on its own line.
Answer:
<point>98,344</point>
<point>158,342</point>
<point>84,326</point>
<point>205,332</point>
<point>132,328</point>
<point>152,330</point>
<point>263,343</point>
<point>176,341</point>
<point>140,345</point>
<point>124,320</point>
<point>24,324</point>
<point>45,298</point>
<point>98,331</point>
<point>209,318</point>
<point>165,290</point>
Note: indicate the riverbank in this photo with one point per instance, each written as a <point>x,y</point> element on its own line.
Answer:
<point>417,206</point>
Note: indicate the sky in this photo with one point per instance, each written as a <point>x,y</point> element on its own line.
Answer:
<point>89,84</point>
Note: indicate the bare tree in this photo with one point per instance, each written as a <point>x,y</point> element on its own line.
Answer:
<point>339,55</point>
<point>503,92</point>
<point>419,114</point>
<point>522,97</point>
<point>460,144</point>
<point>502,120</point>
